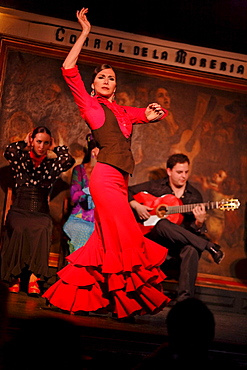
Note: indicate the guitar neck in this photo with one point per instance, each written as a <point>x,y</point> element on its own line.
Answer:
<point>185,208</point>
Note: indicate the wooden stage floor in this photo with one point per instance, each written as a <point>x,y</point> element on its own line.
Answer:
<point>105,338</point>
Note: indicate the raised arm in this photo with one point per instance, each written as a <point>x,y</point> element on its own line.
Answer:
<point>73,55</point>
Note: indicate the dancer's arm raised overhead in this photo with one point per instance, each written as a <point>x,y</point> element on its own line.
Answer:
<point>73,55</point>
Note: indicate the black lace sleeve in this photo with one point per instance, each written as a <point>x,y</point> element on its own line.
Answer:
<point>64,160</point>
<point>14,150</point>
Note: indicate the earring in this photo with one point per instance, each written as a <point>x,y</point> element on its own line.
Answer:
<point>92,93</point>
<point>113,97</point>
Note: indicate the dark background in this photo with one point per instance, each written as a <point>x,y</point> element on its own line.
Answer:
<point>217,24</point>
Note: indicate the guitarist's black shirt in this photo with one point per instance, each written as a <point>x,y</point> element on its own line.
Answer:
<point>161,187</point>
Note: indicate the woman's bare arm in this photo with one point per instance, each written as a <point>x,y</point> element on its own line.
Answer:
<point>73,55</point>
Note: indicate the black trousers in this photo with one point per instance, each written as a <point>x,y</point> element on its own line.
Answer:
<point>187,246</point>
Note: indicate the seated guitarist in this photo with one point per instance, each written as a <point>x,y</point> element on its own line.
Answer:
<point>186,240</point>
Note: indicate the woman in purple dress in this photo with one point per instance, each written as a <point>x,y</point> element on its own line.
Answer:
<point>80,223</point>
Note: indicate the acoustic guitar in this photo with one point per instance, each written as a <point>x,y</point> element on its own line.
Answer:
<point>170,207</point>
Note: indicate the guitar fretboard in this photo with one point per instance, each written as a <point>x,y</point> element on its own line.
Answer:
<point>184,208</point>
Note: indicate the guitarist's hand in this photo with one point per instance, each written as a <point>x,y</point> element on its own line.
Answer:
<point>200,215</point>
<point>141,210</point>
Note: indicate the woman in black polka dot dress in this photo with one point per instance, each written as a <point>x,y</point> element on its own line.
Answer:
<point>28,225</point>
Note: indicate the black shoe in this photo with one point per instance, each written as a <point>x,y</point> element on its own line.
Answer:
<point>216,253</point>
<point>81,313</point>
<point>128,319</point>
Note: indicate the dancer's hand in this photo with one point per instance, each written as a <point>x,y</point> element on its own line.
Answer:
<point>52,145</point>
<point>154,112</point>
<point>28,139</point>
<point>73,55</point>
<point>82,19</point>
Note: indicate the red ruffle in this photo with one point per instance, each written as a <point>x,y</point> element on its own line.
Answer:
<point>131,278</point>
<point>125,306</point>
<point>92,254</point>
<point>72,298</point>
<point>79,289</point>
<point>80,276</point>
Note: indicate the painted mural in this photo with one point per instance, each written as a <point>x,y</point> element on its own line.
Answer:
<point>208,124</point>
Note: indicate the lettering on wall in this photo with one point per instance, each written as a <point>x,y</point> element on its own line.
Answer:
<point>181,57</point>
<point>49,31</point>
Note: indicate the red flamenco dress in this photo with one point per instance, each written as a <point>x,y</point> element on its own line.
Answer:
<point>118,268</point>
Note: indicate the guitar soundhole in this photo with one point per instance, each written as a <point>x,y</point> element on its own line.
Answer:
<point>161,211</point>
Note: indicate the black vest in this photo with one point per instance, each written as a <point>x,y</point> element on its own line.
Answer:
<point>114,146</point>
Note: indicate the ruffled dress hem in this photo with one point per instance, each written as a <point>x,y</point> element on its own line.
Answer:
<point>124,291</point>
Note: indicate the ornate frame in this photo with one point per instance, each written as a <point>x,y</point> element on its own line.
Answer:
<point>185,81</point>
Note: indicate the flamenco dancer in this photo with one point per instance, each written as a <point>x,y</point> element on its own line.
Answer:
<point>27,240</point>
<point>118,268</point>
